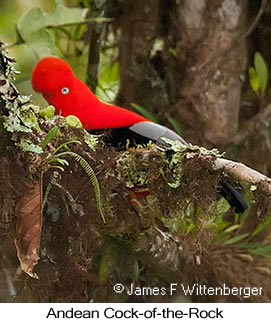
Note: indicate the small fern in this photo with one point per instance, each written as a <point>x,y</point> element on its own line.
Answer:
<point>52,160</point>
<point>67,195</point>
<point>91,174</point>
<point>51,183</point>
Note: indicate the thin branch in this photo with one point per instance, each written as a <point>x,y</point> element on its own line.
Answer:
<point>256,20</point>
<point>8,46</point>
<point>86,21</point>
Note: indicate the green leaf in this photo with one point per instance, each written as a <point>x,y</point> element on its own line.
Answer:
<point>31,21</point>
<point>35,19</point>
<point>108,82</point>
<point>65,145</point>
<point>176,125</point>
<point>261,71</point>
<point>249,245</point>
<point>253,79</point>
<point>237,238</point>
<point>73,122</point>
<point>29,119</point>
<point>48,112</point>
<point>143,111</point>
<point>222,236</point>
<point>61,161</point>
<point>57,167</point>
<point>222,206</point>
<point>233,228</point>
<point>264,251</point>
<point>42,43</point>
<point>191,227</point>
<point>221,226</point>
<point>32,27</point>
<point>172,51</point>
<point>263,225</point>
<point>50,135</point>
<point>64,15</point>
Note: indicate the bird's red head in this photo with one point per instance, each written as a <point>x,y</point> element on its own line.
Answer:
<point>50,74</point>
<point>54,78</point>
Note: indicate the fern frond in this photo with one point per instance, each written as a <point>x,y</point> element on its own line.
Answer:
<point>67,195</point>
<point>51,183</point>
<point>57,167</point>
<point>65,145</point>
<point>92,176</point>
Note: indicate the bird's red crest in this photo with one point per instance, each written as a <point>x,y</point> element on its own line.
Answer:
<point>49,73</point>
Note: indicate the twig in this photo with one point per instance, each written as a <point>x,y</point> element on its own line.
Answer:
<point>17,42</point>
<point>256,20</point>
<point>86,21</point>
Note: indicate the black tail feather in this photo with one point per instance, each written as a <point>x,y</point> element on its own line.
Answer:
<point>234,198</point>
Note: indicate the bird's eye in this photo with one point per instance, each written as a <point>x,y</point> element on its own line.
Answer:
<point>65,90</point>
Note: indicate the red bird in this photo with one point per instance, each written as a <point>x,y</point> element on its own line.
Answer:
<point>55,79</point>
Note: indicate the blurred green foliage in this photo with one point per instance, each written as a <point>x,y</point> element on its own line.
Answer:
<point>10,13</point>
<point>144,111</point>
<point>258,75</point>
<point>37,28</point>
<point>33,29</point>
<point>46,28</point>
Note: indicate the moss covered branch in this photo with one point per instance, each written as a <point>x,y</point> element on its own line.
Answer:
<point>182,232</point>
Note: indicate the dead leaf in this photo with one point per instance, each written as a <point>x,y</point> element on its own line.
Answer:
<point>28,228</point>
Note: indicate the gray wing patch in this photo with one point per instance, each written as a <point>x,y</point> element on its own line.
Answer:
<point>155,132</point>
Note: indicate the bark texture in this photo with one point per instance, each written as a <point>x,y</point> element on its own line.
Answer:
<point>207,32</point>
<point>195,75</point>
<point>139,26</point>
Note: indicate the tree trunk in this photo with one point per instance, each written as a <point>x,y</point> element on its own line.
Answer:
<point>140,81</point>
<point>196,74</point>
